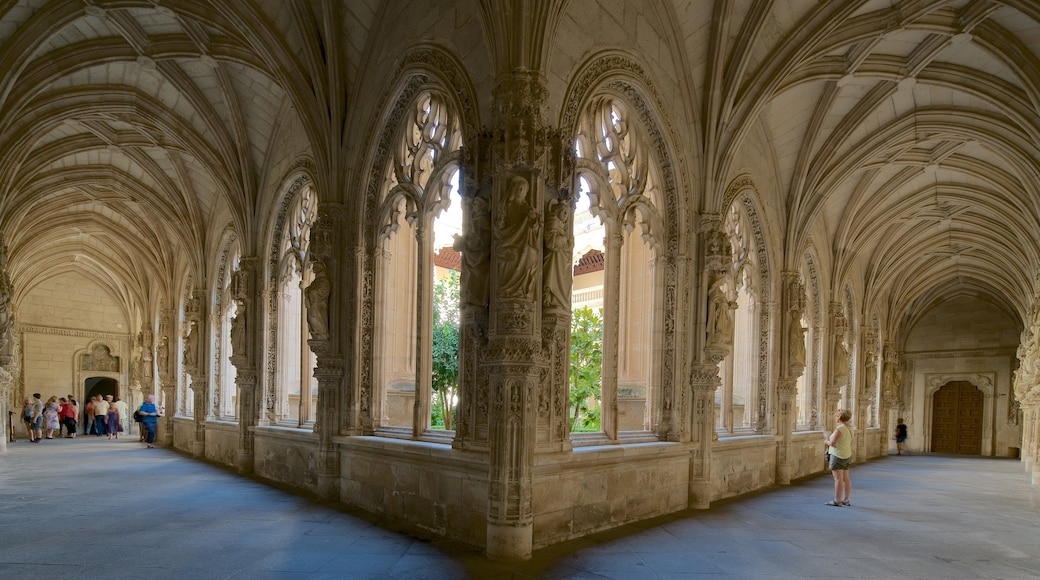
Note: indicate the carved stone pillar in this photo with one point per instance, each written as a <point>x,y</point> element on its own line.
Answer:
<point>323,296</point>
<point>890,390</point>
<point>6,323</point>
<point>471,422</point>
<point>786,393</point>
<point>244,338</point>
<point>329,373</point>
<point>1031,434</point>
<point>167,383</point>
<point>704,380</point>
<point>6,381</point>
<point>793,356</point>
<point>839,368</point>
<point>522,167</point>
<point>611,329</point>
<point>716,344</point>
<point>195,365</point>
<point>200,383</point>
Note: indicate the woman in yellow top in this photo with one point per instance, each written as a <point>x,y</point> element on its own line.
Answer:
<point>839,445</point>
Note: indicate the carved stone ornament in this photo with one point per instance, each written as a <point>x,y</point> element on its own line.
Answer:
<point>518,240</point>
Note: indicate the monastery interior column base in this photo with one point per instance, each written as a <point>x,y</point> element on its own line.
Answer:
<point>510,542</point>
<point>198,448</point>
<point>245,463</point>
<point>700,495</point>
<point>328,487</point>
<point>783,474</point>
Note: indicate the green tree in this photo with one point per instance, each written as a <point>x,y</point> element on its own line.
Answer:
<point>445,350</point>
<point>586,368</point>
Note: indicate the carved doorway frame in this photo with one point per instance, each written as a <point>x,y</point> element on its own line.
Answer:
<point>985,382</point>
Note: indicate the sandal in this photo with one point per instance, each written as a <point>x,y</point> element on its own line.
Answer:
<point>846,503</point>
<point>833,503</point>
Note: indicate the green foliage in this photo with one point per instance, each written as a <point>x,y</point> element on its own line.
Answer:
<point>445,351</point>
<point>586,368</point>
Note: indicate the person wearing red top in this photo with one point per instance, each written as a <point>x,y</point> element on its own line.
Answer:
<point>68,413</point>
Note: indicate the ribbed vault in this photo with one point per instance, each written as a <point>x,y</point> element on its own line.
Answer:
<point>909,140</point>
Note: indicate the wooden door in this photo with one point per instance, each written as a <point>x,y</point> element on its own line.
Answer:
<point>957,419</point>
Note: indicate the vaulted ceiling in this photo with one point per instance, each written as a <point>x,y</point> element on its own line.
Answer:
<point>904,135</point>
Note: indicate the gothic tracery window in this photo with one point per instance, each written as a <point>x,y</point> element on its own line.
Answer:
<point>619,184</point>
<point>225,393</point>
<point>419,204</point>
<point>295,389</point>
<point>737,396</point>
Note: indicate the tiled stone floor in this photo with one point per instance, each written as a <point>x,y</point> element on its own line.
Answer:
<point>107,510</point>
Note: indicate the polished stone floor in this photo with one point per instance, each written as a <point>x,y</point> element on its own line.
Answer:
<point>107,510</point>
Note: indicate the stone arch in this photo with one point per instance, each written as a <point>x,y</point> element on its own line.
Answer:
<point>300,176</point>
<point>621,77</point>
<point>425,68</point>
<point>101,358</point>
<point>218,332</point>
<point>741,190</point>
<point>814,292</point>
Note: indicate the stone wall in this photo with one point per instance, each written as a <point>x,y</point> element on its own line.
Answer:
<point>744,464</point>
<point>222,443</point>
<point>61,318</point>
<point>597,488</point>
<point>286,456</point>
<point>426,485</point>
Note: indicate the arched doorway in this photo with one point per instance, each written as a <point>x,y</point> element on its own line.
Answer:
<point>93,386</point>
<point>957,419</point>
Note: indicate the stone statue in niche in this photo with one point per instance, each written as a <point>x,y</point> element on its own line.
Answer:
<point>474,246</point>
<point>191,345</point>
<point>238,330</point>
<point>136,367</point>
<point>720,315</point>
<point>162,355</point>
<point>840,362</point>
<point>557,267</point>
<point>796,341</point>
<point>518,232</point>
<point>317,297</point>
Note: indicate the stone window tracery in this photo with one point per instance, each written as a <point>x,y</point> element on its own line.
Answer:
<point>618,181</point>
<point>225,392</point>
<point>295,390</point>
<point>737,396</point>
<point>419,211</point>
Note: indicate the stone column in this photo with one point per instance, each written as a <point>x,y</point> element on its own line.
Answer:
<point>245,335</point>
<point>1031,442</point>
<point>167,383</point>
<point>329,373</point>
<point>793,359</point>
<point>839,367</point>
<point>521,152</point>
<point>6,380</point>
<point>195,366</point>
<point>890,390</point>
<point>553,427</point>
<point>6,323</point>
<point>611,315</point>
<point>716,338</point>
<point>471,422</point>
<point>322,297</point>
<point>704,379</point>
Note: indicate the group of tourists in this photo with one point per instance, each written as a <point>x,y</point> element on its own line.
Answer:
<point>103,415</point>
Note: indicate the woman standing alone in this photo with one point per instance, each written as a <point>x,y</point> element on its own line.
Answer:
<point>839,445</point>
